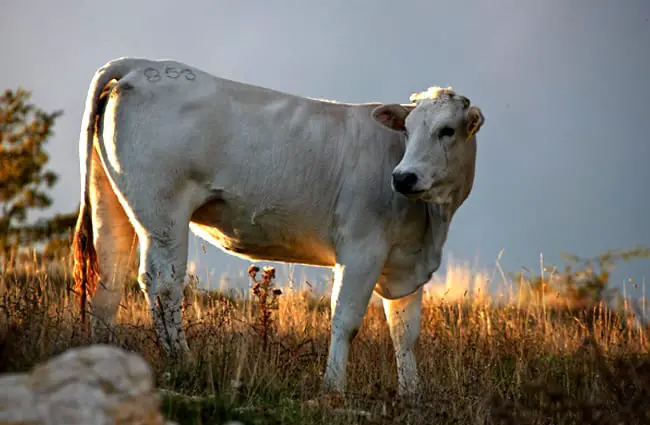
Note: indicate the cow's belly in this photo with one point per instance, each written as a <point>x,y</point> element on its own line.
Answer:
<point>267,235</point>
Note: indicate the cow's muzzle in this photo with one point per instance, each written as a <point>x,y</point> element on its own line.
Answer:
<point>406,183</point>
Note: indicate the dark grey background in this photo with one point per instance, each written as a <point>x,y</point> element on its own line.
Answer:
<point>564,86</point>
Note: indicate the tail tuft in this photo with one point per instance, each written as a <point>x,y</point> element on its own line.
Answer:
<point>85,260</point>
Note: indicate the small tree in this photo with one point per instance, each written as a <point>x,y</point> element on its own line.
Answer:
<point>24,130</point>
<point>585,281</point>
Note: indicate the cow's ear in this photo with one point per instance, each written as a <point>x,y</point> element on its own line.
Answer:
<point>392,116</point>
<point>474,121</point>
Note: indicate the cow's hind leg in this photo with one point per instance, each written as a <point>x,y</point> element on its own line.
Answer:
<point>404,321</point>
<point>163,261</point>
<point>115,243</point>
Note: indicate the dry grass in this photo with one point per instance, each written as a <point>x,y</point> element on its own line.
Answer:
<point>518,361</point>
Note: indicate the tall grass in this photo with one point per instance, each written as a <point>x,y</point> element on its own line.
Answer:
<point>525,357</point>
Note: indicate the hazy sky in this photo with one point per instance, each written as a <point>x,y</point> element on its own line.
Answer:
<point>564,87</point>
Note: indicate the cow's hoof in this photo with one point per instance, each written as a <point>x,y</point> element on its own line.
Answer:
<point>409,400</point>
<point>327,399</point>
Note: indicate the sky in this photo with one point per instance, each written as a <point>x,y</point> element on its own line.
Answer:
<point>564,86</point>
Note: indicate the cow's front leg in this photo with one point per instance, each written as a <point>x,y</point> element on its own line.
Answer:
<point>355,275</point>
<point>404,321</point>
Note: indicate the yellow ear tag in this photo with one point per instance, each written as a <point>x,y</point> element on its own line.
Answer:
<point>472,132</point>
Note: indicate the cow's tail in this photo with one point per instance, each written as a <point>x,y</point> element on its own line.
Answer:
<point>86,267</point>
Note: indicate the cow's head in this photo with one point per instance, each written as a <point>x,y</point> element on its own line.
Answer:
<point>440,129</point>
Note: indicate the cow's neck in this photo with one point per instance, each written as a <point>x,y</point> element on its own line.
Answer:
<point>439,217</point>
<point>418,254</point>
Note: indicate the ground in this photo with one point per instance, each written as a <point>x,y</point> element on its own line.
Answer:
<point>482,360</point>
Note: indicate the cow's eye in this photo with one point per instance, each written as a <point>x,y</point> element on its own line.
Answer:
<point>446,132</point>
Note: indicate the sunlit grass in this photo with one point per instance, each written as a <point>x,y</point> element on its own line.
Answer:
<point>514,357</point>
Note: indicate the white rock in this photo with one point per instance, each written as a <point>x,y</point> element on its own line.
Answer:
<point>94,385</point>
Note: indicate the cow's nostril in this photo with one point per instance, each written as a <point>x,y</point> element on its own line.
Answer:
<point>404,182</point>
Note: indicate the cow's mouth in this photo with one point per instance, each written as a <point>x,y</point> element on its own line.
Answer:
<point>439,186</point>
<point>414,194</point>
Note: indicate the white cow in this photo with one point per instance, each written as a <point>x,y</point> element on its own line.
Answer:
<point>368,189</point>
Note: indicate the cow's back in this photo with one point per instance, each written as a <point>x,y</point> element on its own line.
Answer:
<point>279,173</point>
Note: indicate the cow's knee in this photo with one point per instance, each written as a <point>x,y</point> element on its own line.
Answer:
<point>162,273</point>
<point>404,320</point>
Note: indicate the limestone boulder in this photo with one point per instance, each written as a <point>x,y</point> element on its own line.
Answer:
<point>92,385</point>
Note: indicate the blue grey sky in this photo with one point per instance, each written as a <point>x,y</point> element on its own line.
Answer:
<point>564,87</point>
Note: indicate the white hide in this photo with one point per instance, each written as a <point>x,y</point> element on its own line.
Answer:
<point>265,175</point>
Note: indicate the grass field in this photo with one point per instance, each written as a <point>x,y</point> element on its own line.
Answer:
<point>511,360</point>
